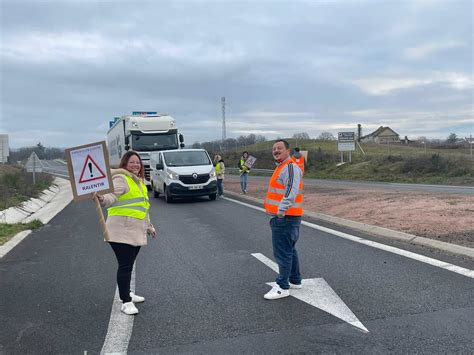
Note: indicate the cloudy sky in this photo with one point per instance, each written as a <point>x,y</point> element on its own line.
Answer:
<point>68,67</point>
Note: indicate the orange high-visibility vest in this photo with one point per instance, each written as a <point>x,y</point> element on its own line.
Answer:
<point>299,161</point>
<point>276,192</point>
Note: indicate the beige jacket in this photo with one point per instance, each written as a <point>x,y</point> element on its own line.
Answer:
<point>121,229</point>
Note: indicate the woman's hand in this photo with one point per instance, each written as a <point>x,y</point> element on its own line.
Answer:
<point>151,231</point>
<point>98,196</point>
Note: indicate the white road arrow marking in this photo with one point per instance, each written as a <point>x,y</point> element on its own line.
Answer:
<point>319,294</point>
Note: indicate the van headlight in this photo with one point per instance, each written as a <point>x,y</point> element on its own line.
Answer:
<point>172,175</point>
<point>212,174</point>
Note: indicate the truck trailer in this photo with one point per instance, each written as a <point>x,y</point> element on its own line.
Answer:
<point>143,132</point>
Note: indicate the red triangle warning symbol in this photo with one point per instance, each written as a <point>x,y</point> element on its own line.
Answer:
<point>91,171</point>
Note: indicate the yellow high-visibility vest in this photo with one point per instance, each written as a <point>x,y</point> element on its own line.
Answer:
<point>134,203</point>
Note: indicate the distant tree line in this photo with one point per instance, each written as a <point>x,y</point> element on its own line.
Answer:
<point>41,151</point>
<point>230,143</point>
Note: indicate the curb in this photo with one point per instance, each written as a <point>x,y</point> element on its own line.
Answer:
<point>44,212</point>
<point>377,231</point>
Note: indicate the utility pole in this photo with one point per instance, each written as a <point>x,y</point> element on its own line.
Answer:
<point>223,120</point>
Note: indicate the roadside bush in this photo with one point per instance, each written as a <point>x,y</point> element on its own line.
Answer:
<point>16,186</point>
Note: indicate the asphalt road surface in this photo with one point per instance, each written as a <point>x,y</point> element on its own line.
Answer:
<point>204,290</point>
<point>58,168</point>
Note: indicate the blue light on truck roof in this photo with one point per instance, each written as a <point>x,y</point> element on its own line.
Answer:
<point>143,113</point>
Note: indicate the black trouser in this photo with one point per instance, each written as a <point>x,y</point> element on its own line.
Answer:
<point>126,255</point>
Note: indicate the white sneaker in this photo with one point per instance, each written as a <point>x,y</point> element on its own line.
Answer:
<point>295,286</point>
<point>137,299</point>
<point>276,292</point>
<point>129,308</point>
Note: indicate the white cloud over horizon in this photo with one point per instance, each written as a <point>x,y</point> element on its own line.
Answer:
<point>284,68</point>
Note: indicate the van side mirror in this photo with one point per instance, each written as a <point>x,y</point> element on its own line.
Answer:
<point>127,140</point>
<point>159,166</point>
<point>181,138</point>
<point>181,145</point>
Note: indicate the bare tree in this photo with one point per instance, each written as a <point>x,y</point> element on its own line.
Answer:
<point>326,136</point>
<point>452,138</point>
<point>301,135</point>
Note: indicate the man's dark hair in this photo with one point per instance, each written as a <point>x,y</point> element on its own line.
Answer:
<point>297,149</point>
<point>287,145</point>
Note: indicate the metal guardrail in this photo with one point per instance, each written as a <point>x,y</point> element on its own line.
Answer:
<point>261,171</point>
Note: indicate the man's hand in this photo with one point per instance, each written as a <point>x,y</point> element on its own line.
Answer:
<point>280,215</point>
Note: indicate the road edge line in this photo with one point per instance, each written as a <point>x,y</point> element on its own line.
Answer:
<point>8,246</point>
<point>398,251</point>
<point>380,231</point>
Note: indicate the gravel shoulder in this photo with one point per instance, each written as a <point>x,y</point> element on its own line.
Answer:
<point>444,217</point>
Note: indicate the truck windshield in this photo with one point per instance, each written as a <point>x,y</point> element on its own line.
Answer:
<point>188,158</point>
<point>150,142</point>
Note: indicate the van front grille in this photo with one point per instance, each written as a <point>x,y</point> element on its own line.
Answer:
<point>194,179</point>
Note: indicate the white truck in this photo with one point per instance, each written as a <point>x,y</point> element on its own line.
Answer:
<point>143,132</point>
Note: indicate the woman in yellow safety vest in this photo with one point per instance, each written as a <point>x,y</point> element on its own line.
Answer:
<point>128,222</point>
<point>220,171</point>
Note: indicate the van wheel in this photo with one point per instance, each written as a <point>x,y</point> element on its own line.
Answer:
<point>156,194</point>
<point>168,197</point>
<point>212,197</point>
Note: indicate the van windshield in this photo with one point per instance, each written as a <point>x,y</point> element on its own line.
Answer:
<point>189,158</point>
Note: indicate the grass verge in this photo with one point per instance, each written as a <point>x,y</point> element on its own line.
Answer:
<point>8,231</point>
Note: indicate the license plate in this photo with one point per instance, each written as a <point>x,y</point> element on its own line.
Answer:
<point>195,187</point>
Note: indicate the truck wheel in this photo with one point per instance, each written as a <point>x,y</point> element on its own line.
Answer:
<point>212,197</point>
<point>168,197</point>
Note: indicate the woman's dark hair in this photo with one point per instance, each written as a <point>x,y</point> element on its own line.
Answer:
<point>126,157</point>
<point>245,152</point>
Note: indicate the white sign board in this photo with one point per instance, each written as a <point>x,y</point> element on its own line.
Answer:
<point>34,164</point>
<point>4,148</point>
<point>250,161</point>
<point>346,146</point>
<point>89,170</point>
<point>346,141</point>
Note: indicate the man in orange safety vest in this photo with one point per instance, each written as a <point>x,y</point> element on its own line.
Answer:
<point>283,202</point>
<point>298,159</point>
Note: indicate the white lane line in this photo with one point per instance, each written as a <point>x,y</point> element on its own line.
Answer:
<point>434,262</point>
<point>120,326</point>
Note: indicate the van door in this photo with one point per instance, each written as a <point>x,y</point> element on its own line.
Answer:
<point>159,174</point>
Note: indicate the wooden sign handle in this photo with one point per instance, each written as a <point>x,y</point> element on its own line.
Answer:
<point>98,209</point>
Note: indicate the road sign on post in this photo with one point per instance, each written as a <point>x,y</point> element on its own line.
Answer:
<point>346,143</point>
<point>89,172</point>
<point>34,165</point>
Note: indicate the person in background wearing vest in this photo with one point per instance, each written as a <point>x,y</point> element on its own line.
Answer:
<point>128,222</point>
<point>220,170</point>
<point>298,159</point>
<point>244,172</point>
<point>284,203</point>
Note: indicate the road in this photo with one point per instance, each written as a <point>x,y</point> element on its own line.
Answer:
<point>58,168</point>
<point>351,184</point>
<point>204,289</point>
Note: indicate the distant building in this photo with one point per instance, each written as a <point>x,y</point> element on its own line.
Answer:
<point>382,135</point>
<point>4,148</point>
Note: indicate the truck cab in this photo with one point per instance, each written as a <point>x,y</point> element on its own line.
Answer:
<point>143,132</point>
<point>182,173</point>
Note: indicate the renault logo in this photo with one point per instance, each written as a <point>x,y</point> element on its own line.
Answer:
<point>195,176</point>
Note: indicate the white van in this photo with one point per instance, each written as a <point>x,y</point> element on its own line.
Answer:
<point>183,173</point>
